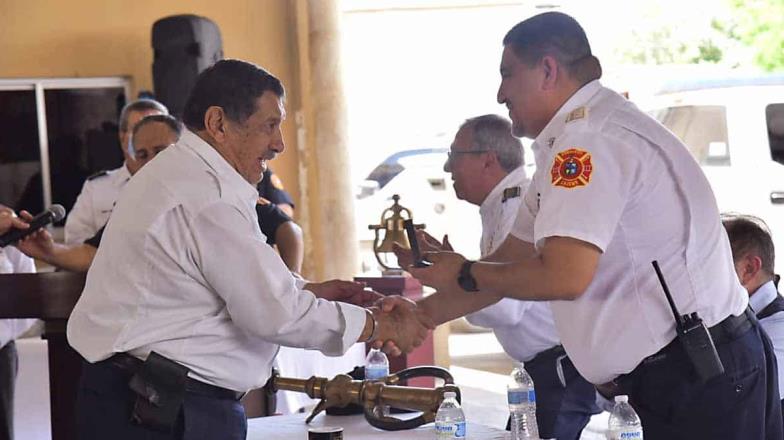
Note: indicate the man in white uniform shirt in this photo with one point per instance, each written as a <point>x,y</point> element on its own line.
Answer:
<point>487,168</point>
<point>613,191</point>
<point>101,190</point>
<point>177,280</point>
<point>11,261</point>
<point>755,258</point>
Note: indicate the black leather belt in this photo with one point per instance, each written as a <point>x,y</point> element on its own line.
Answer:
<point>730,328</point>
<point>132,364</point>
<point>550,353</point>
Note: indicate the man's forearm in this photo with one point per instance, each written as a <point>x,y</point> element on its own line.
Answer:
<point>288,237</point>
<point>562,271</point>
<point>444,307</point>
<point>73,258</point>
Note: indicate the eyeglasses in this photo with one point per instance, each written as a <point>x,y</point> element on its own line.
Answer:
<point>451,154</point>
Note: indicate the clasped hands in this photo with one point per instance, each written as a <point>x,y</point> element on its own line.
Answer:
<point>400,325</point>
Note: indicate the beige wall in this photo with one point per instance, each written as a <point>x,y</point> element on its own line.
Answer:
<point>78,38</point>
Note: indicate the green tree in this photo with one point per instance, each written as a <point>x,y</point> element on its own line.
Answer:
<point>758,24</point>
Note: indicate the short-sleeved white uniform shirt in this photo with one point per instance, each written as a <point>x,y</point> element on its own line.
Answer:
<point>610,175</point>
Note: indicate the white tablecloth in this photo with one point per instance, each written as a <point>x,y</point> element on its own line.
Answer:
<point>293,427</point>
<point>302,364</point>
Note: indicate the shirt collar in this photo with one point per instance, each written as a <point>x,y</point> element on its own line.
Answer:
<point>493,199</point>
<point>217,163</point>
<point>554,127</point>
<point>763,296</point>
<point>122,175</point>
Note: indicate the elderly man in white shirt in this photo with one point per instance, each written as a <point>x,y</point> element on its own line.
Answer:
<point>11,261</point>
<point>175,299</point>
<point>754,257</point>
<point>487,168</point>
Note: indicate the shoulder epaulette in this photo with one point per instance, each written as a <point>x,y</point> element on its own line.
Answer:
<point>577,114</point>
<point>98,174</point>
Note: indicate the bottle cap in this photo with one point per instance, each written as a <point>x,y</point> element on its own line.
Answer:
<point>325,433</point>
<point>622,398</point>
<point>450,395</point>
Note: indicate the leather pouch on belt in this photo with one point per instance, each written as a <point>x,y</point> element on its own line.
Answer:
<point>160,388</point>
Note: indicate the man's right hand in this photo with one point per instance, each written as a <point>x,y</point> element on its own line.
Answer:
<point>8,221</point>
<point>404,325</point>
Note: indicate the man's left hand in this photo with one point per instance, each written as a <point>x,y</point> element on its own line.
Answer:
<point>345,291</point>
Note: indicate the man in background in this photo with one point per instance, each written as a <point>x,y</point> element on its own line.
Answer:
<point>101,190</point>
<point>754,257</point>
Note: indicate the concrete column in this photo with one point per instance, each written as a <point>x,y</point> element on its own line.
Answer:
<point>325,180</point>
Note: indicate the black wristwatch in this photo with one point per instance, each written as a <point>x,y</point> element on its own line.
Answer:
<point>465,280</point>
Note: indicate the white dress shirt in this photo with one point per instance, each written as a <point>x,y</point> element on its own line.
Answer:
<point>13,261</point>
<point>609,175</point>
<point>773,325</point>
<point>94,204</point>
<point>523,328</point>
<point>183,270</point>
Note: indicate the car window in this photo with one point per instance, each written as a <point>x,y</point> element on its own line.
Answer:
<point>395,164</point>
<point>429,160</point>
<point>774,116</point>
<point>703,128</point>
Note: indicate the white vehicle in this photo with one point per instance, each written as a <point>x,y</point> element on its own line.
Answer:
<point>734,127</point>
<point>418,177</point>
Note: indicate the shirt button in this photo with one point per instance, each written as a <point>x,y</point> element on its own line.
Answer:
<point>738,388</point>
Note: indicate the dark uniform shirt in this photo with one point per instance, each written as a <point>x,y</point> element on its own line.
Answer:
<point>271,188</point>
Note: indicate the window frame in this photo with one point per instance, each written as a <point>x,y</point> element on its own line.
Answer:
<point>40,86</point>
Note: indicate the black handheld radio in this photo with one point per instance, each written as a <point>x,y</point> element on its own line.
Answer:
<point>694,337</point>
<point>412,240</point>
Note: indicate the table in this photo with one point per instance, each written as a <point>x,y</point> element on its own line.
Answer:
<point>293,427</point>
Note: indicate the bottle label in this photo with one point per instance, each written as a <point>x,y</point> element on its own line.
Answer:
<point>450,430</point>
<point>376,373</point>
<point>629,434</point>
<point>521,396</point>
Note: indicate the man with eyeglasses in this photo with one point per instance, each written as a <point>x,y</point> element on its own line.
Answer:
<point>101,190</point>
<point>487,167</point>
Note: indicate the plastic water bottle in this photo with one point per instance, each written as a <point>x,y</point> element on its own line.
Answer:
<point>450,420</point>
<point>377,368</point>
<point>376,365</point>
<point>624,423</point>
<point>522,405</point>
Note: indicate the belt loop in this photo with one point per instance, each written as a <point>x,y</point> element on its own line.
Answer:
<point>559,369</point>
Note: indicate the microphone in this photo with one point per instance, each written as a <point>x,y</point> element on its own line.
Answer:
<point>51,215</point>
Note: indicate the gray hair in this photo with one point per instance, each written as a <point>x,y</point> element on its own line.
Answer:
<point>140,105</point>
<point>170,121</point>
<point>494,133</point>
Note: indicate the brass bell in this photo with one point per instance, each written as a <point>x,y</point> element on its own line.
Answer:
<point>392,224</point>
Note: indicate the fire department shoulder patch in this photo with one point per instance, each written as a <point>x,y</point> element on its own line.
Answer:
<point>572,168</point>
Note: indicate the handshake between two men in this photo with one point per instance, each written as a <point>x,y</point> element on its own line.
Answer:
<point>399,325</point>
<point>396,325</point>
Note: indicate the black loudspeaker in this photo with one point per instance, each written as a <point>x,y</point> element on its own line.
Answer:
<point>184,46</point>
